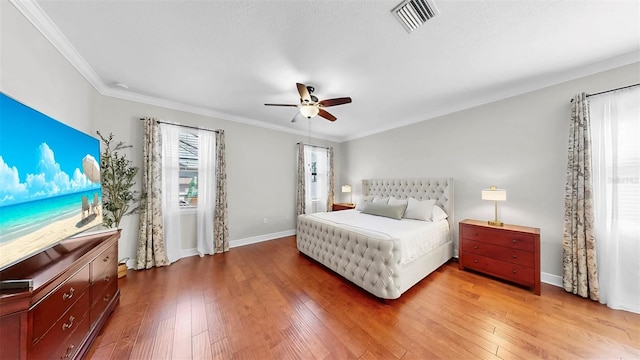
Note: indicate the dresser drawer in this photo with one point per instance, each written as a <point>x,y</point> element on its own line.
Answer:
<point>101,281</point>
<point>71,322</point>
<point>514,256</point>
<point>54,305</point>
<point>513,272</point>
<point>512,239</point>
<point>107,259</point>
<point>69,348</point>
<point>102,299</point>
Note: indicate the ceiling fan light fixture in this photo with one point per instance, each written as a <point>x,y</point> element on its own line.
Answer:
<point>309,111</point>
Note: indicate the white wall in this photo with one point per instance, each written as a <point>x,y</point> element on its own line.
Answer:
<point>519,144</point>
<point>34,73</point>
<point>261,170</point>
<point>261,163</point>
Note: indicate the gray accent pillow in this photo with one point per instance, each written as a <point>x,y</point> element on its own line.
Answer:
<point>379,209</point>
<point>363,202</point>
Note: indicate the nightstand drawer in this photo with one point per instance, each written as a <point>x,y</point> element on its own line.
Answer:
<point>517,273</point>
<point>510,239</point>
<point>514,256</point>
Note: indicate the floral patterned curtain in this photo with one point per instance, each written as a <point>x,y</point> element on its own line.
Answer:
<point>221,223</point>
<point>578,243</point>
<point>151,247</point>
<point>331,181</point>
<point>300,198</point>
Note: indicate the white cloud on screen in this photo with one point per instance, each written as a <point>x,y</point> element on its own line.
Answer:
<point>49,181</point>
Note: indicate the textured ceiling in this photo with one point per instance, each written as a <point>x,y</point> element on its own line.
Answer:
<point>228,58</point>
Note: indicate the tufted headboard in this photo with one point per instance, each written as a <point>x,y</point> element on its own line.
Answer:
<point>440,189</point>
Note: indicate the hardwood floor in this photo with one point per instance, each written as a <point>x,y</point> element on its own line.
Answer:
<point>267,301</point>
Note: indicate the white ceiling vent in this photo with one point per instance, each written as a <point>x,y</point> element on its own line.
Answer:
<point>413,13</point>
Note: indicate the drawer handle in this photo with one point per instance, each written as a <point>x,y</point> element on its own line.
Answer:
<point>69,351</point>
<point>515,240</point>
<point>68,295</point>
<point>106,259</point>
<point>106,278</point>
<point>475,260</point>
<point>514,271</point>
<point>514,256</point>
<point>69,323</point>
<point>475,247</point>
<point>106,298</point>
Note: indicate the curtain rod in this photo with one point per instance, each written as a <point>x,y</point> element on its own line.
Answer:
<point>185,126</point>
<point>315,146</point>
<point>608,91</point>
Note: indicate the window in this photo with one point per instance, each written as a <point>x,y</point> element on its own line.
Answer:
<point>188,173</point>
<point>615,130</point>
<point>317,178</point>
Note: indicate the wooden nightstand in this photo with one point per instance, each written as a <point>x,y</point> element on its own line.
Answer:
<point>343,206</point>
<point>509,252</point>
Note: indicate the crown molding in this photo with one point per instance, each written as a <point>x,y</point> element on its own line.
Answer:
<point>34,13</point>
<point>41,21</point>
<point>521,87</point>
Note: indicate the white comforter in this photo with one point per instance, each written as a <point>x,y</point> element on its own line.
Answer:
<point>414,236</point>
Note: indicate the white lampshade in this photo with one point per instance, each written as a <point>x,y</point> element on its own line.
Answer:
<point>346,188</point>
<point>309,111</point>
<point>494,194</point>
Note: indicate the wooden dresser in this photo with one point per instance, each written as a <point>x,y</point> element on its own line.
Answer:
<point>509,252</point>
<point>75,289</point>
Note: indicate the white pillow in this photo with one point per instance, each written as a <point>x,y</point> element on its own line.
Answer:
<point>362,202</point>
<point>419,210</point>
<point>394,201</point>
<point>438,213</point>
<point>379,199</point>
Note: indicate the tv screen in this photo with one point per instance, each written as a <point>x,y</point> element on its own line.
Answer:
<point>49,182</point>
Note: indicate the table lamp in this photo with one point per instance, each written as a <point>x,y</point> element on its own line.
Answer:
<point>347,189</point>
<point>495,195</point>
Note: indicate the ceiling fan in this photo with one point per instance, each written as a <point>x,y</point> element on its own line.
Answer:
<point>310,106</point>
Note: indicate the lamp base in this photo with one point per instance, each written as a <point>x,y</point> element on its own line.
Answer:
<point>495,223</point>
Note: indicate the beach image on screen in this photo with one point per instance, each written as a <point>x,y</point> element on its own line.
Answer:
<point>49,181</point>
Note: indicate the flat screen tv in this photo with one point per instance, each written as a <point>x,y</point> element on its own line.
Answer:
<point>49,182</point>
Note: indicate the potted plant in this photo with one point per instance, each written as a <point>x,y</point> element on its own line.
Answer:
<point>118,178</point>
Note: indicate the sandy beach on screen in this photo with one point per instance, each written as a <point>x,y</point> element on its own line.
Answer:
<point>43,237</point>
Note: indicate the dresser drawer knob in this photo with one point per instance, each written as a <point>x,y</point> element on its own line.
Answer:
<point>68,295</point>
<point>475,260</point>
<point>514,271</point>
<point>69,351</point>
<point>514,241</point>
<point>514,256</point>
<point>106,278</point>
<point>106,298</point>
<point>475,246</point>
<point>69,323</point>
<point>106,259</point>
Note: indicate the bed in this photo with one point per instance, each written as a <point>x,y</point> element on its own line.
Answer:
<point>378,259</point>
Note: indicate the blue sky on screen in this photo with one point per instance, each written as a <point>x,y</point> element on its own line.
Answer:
<point>39,156</point>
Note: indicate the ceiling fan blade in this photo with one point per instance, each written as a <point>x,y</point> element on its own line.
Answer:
<point>290,105</point>
<point>326,115</point>
<point>334,102</point>
<point>304,93</point>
